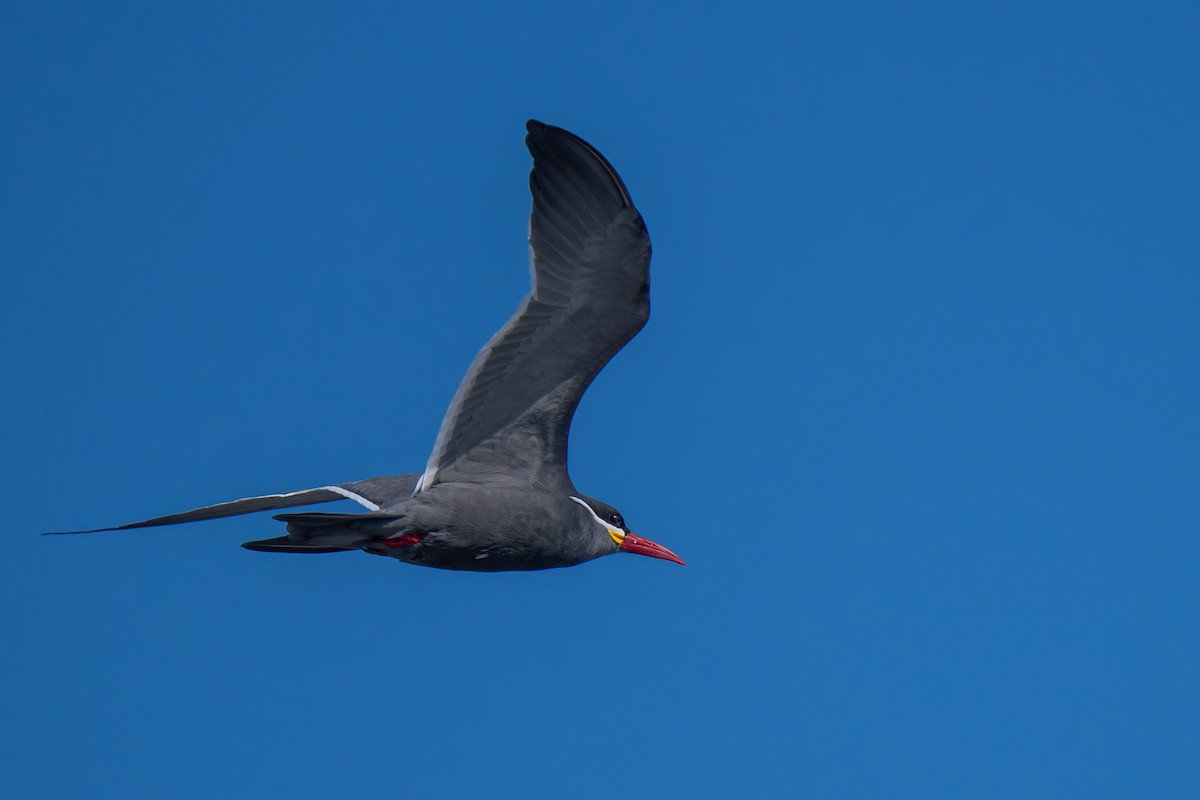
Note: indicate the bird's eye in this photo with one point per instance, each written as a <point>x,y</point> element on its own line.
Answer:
<point>615,519</point>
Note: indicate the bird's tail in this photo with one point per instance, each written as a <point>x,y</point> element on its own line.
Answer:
<point>321,519</point>
<point>316,532</point>
<point>286,544</point>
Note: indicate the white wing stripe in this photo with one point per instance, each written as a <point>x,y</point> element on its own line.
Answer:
<point>349,495</point>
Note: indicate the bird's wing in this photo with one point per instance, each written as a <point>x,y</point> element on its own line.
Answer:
<point>590,294</point>
<point>373,493</point>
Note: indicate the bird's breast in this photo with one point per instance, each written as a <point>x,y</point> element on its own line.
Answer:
<point>477,550</point>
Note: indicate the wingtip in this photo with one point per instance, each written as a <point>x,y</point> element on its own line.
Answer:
<point>554,143</point>
<point>545,132</point>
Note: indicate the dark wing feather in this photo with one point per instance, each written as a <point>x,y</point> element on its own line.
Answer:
<point>373,493</point>
<point>590,294</point>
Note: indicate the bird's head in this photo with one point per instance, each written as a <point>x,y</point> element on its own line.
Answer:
<point>609,520</point>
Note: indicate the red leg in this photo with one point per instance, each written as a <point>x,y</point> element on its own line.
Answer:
<point>403,541</point>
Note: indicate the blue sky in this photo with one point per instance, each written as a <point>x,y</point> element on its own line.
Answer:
<point>917,400</point>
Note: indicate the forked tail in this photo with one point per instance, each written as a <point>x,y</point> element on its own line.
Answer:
<point>317,532</point>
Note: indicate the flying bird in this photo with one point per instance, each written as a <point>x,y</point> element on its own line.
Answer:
<point>495,494</point>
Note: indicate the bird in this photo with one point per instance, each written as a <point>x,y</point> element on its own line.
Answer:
<point>495,494</point>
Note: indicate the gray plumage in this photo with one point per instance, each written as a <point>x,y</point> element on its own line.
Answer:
<point>495,494</point>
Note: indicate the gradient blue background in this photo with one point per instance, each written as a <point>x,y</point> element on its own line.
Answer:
<point>917,402</point>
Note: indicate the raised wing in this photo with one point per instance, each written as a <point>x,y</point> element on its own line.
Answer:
<point>589,264</point>
<point>373,493</point>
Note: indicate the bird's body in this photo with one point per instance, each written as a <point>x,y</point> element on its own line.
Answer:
<point>495,494</point>
<point>522,529</point>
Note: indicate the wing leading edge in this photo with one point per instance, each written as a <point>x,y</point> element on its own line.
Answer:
<point>372,493</point>
<point>590,294</point>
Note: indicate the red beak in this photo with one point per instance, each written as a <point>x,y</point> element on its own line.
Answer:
<point>645,547</point>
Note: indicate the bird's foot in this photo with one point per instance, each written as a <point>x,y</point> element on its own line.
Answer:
<point>403,540</point>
